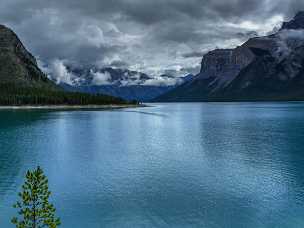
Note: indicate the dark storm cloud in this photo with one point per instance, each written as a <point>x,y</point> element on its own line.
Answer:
<point>194,54</point>
<point>119,64</point>
<point>152,36</point>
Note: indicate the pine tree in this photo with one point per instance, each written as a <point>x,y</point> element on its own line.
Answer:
<point>34,207</point>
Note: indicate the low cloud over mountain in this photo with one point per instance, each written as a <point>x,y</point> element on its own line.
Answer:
<point>141,35</point>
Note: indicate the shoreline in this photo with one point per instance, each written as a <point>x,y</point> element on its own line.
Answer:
<point>71,107</point>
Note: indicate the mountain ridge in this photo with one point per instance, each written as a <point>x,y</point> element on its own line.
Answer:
<point>23,83</point>
<point>18,65</point>
<point>124,83</point>
<point>263,68</point>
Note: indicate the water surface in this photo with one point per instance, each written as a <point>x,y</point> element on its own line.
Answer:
<point>172,165</point>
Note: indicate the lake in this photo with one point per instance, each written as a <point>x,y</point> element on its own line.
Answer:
<point>171,165</point>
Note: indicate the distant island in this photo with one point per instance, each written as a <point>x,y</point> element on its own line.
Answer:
<point>22,83</point>
<point>269,68</point>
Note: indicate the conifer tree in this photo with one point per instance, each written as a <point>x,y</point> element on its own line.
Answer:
<point>35,211</point>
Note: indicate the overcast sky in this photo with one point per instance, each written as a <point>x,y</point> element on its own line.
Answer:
<point>152,36</point>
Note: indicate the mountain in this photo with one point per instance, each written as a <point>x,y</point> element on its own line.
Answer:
<point>262,69</point>
<point>17,65</point>
<point>132,92</point>
<point>296,23</point>
<point>129,85</point>
<point>23,83</point>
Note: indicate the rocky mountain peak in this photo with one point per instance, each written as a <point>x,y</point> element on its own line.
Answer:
<point>300,15</point>
<point>10,42</point>
<point>263,68</point>
<point>296,23</point>
<point>17,64</point>
<point>6,37</point>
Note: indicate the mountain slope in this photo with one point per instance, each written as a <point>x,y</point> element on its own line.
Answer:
<point>263,68</point>
<point>23,83</point>
<point>17,65</point>
<point>132,92</point>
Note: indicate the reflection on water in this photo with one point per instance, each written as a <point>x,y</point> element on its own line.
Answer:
<point>11,143</point>
<point>171,165</point>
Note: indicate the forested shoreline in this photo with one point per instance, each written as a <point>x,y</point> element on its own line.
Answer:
<point>12,95</point>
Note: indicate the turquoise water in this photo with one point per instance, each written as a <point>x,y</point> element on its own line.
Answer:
<point>172,165</point>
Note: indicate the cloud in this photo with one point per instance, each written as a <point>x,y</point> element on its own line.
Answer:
<point>247,35</point>
<point>292,34</point>
<point>163,81</point>
<point>92,34</point>
<point>118,64</point>
<point>287,41</point>
<point>149,36</point>
<point>194,54</point>
<point>59,73</point>
<point>100,78</point>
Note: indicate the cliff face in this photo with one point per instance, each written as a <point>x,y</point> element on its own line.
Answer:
<point>17,65</point>
<point>263,68</point>
<point>224,64</point>
<point>296,23</point>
